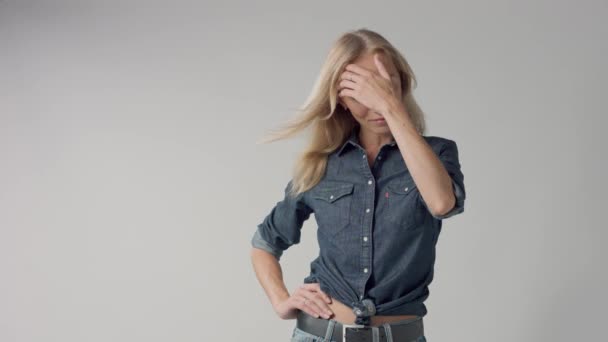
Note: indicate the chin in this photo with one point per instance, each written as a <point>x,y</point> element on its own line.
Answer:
<point>378,129</point>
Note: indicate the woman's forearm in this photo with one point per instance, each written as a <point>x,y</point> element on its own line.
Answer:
<point>431,177</point>
<point>270,275</point>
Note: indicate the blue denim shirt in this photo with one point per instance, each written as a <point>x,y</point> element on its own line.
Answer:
<point>376,235</point>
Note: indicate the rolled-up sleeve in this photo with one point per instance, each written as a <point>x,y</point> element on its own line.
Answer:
<point>448,154</point>
<point>281,228</point>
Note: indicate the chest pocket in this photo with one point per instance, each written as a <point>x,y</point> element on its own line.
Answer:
<point>404,209</point>
<point>332,203</point>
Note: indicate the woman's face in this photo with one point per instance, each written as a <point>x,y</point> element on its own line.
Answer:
<point>364,116</point>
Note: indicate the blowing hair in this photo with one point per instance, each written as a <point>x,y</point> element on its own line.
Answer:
<point>331,124</point>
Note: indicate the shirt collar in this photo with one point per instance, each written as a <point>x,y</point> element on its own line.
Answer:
<point>353,140</point>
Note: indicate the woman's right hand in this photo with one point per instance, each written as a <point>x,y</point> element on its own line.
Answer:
<point>308,298</point>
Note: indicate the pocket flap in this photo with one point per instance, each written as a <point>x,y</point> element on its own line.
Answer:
<point>332,191</point>
<point>402,186</point>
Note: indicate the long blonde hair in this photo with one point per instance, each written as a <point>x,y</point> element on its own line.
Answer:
<point>331,124</point>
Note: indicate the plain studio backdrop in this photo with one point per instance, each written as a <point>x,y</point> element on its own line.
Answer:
<point>131,182</point>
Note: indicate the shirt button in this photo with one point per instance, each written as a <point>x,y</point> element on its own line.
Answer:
<point>365,270</point>
<point>369,182</point>
<point>364,156</point>
<point>379,157</point>
<point>406,188</point>
<point>365,238</point>
<point>332,196</point>
<point>367,210</point>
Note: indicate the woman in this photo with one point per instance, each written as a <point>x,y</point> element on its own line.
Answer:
<point>379,190</point>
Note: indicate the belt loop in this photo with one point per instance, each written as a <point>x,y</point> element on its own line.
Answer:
<point>375,334</point>
<point>388,331</point>
<point>330,330</point>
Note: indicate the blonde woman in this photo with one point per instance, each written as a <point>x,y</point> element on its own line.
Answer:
<point>379,189</point>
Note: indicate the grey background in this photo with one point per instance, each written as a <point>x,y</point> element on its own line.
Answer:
<point>131,182</point>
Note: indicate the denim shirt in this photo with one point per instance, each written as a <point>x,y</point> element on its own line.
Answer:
<point>376,235</point>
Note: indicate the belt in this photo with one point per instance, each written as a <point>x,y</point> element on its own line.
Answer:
<point>405,330</point>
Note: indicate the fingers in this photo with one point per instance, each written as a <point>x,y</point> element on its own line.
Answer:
<point>351,77</point>
<point>303,305</point>
<point>351,81</point>
<point>317,287</point>
<point>314,304</point>
<point>347,92</point>
<point>357,74</point>
<point>314,301</point>
<point>346,84</point>
<point>357,70</point>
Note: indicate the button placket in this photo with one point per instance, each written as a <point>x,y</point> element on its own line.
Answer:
<point>366,229</point>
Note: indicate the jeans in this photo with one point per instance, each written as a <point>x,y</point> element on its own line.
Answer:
<point>299,335</point>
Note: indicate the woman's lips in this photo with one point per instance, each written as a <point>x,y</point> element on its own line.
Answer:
<point>381,122</point>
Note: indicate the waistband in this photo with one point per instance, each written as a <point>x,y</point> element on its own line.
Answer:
<point>404,330</point>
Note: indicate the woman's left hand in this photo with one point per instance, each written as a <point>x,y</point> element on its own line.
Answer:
<point>374,90</point>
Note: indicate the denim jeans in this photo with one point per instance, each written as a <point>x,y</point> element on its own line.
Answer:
<point>299,335</point>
